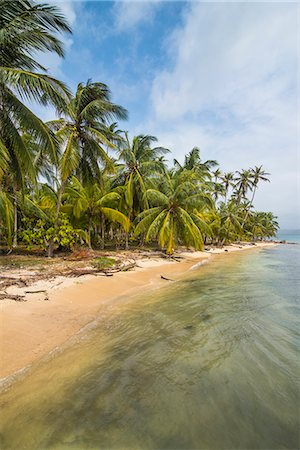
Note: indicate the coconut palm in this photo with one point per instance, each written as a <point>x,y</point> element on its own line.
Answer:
<point>231,218</point>
<point>6,216</point>
<point>83,133</point>
<point>257,174</point>
<point>141,163</point>
<point>227,180</point>
<point>263,224</point>
<point>173,216</point>
<point>243,184</point>
<point>26,28</point>
<point>90,205</point>
<point>192,161</point>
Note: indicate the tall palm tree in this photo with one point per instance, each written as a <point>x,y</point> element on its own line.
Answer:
<point>173,216</point>
<point>257,175</point>
<point>26,28</point>
<point>243,184</point>
<point>227,180</point>
<point>84,133</point>
<point>140,164</point>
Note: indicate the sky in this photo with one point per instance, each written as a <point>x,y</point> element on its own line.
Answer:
<point>222,76</point>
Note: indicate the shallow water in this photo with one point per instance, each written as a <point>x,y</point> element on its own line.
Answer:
<point>209,362</point>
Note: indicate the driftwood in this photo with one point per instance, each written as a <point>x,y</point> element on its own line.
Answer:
<point>165,278</point>
<point>9,281</point>
<point>35,292</point>
<point>16,298</point>
<point>6,282</point>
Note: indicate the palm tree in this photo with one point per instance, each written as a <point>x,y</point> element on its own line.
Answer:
<point>227,179</point>
<point>192,161</point>
<point>231,218</point>
<point>257,174</point>
<point>264,224</point>
<point>140,164</point>
<point>26,28</point>
<point>84,134</point>
<point>6,216</point>
<point>91,205</point>
<point>173,216</point>
<point>243,184</point>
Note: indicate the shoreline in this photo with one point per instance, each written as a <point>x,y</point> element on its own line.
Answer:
<point>32,330</point>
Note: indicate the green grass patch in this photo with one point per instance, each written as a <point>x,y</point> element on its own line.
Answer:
<point>103,262</point>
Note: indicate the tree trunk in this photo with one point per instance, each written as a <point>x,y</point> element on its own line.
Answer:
<point>89,235</point>
<point>58,205</point>
<point>102,233</point>
<point>127,234</point>
<point>250,206</point>
<point>15,240</point>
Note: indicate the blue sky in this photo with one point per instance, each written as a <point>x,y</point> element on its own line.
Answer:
<point>222,76</point>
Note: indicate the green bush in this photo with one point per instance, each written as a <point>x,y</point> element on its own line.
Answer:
<point>40,233</point>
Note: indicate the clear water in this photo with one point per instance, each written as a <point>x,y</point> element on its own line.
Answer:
<point>289,235</point>
<point>209,362</point>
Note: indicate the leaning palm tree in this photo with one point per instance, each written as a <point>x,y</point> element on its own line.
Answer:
<point>26,28</point>
<point>173,216</point>
<point>84,135</point>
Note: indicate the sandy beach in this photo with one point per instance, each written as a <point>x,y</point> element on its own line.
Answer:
<point>30,330</point>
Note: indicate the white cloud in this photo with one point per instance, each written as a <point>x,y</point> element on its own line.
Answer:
<point>232,91</point>
<point>130,14</point>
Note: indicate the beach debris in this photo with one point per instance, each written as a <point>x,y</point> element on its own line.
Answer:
<point>15,297</point>
<point>165,278</point>
<point>35,292</point>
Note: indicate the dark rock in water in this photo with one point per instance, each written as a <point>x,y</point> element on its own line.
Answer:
<point>188,327</point>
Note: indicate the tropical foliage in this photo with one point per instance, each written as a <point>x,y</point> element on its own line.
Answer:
<point>80,180</point>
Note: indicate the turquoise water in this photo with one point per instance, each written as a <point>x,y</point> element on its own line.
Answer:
<point>289,235</point>
<point>209,362</point>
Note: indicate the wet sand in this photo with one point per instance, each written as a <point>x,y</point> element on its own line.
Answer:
<point>30,330</point>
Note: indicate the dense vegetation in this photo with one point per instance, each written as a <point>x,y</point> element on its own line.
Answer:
<point>79,180</point>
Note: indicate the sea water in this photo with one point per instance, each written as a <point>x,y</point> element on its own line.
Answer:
<point>208,362</point>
